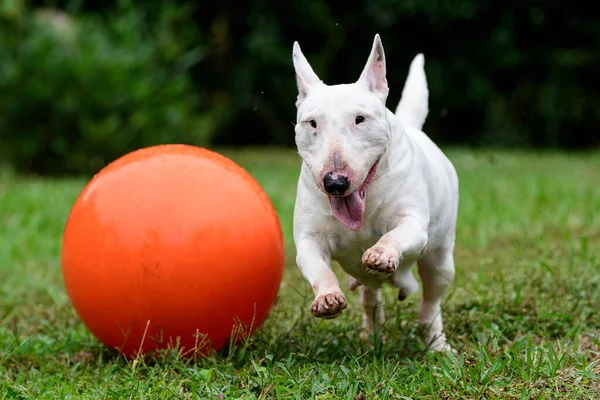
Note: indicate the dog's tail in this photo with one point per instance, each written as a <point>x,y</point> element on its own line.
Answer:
<point>414,103</point>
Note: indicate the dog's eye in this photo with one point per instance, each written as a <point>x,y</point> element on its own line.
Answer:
<point>359,119</point>
<point>313,123</point>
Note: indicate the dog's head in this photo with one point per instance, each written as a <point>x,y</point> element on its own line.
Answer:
<point>342,131</point>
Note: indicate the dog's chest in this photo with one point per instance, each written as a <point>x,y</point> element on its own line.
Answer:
<point>348,246</point>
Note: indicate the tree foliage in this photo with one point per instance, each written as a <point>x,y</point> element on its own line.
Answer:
<point>500,73</point>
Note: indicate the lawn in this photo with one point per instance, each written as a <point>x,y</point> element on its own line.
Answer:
<point>524,310</point>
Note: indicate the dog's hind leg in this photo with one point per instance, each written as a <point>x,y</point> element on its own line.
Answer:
<point>353,283</point>
<point>373,313</point>
<point>436,270</point>
<point>405,281</point>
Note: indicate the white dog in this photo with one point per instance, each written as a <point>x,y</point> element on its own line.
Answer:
<point>374,193</point>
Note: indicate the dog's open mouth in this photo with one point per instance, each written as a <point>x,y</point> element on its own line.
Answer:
<point>349,209</point>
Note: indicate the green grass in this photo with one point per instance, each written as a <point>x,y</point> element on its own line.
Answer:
<point>524,311</point>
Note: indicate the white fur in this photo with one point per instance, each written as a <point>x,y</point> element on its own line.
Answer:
<point>410,206</point>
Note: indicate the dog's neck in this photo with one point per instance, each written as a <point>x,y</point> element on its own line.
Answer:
<point>399,149</point>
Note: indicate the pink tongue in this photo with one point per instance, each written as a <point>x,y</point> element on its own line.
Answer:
<point>348,210</point>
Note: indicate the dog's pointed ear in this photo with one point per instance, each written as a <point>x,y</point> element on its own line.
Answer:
<point>373,74</point>
<point>305,76</point>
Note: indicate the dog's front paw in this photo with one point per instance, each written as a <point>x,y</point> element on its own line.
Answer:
<point>380,259</point>
<point>329,306</point>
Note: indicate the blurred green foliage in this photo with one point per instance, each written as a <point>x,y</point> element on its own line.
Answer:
<point>510,73</point>
<point>121,76</point>
<point>79,92</point>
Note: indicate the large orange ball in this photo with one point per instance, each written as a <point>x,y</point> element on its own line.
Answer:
<point>172,245</point>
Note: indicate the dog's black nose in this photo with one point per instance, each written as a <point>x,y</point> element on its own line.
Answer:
<point>337,186</point>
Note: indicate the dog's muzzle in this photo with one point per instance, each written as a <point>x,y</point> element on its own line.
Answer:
<point>336,186</point>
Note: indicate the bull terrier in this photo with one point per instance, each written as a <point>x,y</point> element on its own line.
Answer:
<point>375,194</point>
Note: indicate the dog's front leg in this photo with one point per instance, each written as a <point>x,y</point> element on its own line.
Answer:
<point>314,260</point>
<point>407,240</point>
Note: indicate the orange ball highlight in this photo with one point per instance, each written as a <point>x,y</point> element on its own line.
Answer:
<point>172,245</point>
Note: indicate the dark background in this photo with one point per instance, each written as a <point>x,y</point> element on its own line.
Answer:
<point>96,79</point>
